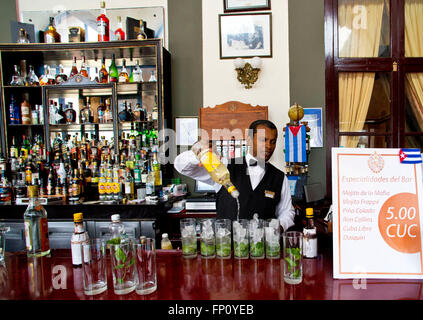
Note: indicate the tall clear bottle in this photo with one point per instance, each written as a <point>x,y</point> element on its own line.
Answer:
<point>36,226</point>
<point>79,237</point>
<point>117,231</point>
<point>309,236</point>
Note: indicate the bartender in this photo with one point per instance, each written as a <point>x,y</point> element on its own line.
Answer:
<point>263,188</point>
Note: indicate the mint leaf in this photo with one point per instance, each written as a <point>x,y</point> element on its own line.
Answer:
<point>131,262</point>
<point>120,266</point>
<point>120,255</point>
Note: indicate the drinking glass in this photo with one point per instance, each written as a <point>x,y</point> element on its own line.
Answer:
<point>207,239</point>
<point>146,266</point>
<point>94,268</point>
<point>3,230</point>
<point>272,236</point>
<point>292,256</point>
<point>256,232</point>
<point>123,267</point>
<point>223,238</point>
<point>240,235</point>
<point>188,238</point>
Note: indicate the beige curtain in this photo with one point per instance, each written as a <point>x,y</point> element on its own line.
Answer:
<point>414,48</point>
<point>355,88</point>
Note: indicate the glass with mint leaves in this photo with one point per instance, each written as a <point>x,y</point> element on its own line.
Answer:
<point>272,236</point>
<point>240,228</point>
<point>207,239</point>
<point>123,255</point>
<point>292,256</point>
<point>256,231</point>
<point>223,238</point>
<point>188,238</point>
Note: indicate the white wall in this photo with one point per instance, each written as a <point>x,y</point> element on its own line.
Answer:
<point>48,5</point>
<point>272,88</point>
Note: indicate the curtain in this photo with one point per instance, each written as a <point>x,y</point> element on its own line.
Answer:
<point>414,48</point>
<point>355,88</point>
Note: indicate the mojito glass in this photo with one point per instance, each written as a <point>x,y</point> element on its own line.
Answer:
<point>223,238</point>
<point>292,256</point>
<point>207,239</point>
<point>125,278</point>
<point>240,235</point>
<point>188,238</point>
<point>256,231</point>
<point>272,236</point>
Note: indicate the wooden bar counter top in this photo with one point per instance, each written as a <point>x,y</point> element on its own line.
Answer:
<point>54,278</point>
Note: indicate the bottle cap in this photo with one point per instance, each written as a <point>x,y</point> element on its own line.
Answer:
<point>165,235</point>
<point>309,212</point>
<point>116,217</point>
<point>77,217</point>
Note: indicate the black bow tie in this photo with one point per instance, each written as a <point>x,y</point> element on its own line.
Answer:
<point>252,163</point>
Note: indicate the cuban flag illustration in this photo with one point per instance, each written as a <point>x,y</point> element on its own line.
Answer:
<point>295,144</point>
<point>410,156</point>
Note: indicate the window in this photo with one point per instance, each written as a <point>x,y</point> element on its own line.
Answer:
<point>374,75</point>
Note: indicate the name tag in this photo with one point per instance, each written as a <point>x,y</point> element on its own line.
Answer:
<point>269,194</point>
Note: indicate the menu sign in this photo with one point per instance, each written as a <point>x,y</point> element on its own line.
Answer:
<point>377,214</point>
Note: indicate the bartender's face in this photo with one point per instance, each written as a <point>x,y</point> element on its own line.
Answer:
<point>264,142</point>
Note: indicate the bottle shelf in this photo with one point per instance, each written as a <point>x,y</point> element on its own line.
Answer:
<point>24,125</point>
<point>21,87</point>
<point>76,127</point>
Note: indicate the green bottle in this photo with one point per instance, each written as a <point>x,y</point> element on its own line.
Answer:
<point>113,71</point>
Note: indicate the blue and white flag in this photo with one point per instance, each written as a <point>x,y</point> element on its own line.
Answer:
<point>410,156</point>
<point>295,144</point>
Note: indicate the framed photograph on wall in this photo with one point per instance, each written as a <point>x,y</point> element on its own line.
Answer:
<point>314,118</point>
<point>186,129</point>
<point>245,35</point>
<point>245,5</point>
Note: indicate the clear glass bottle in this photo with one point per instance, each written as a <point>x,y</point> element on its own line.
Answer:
<point>117,230</point>
<point>309,236</point>
<point>103,24</point>
<point>44,78</point>
<point>123,75</point>
<point>108,115</point>
<point>129,185</point>
<point>84,68</point>
<point>86,114</point>
<point>70,113</point>
<point>36,226</point>
<point>155,111</point>
<point>17,79</point>
<point>137,73</point>
<point>152,76</point>
<point>74,70</point>
<point>51,35</point>
<point>32,78</point>
<point>79,237</point>
<point>23,36</point>
<point>119,33</point>
<point>101,111</point>
<point>61,77</point>
<point>141,34</point>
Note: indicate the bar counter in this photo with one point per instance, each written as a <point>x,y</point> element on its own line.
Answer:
<point>54,278</point>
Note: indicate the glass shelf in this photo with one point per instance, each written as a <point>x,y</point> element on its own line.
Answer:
<point>76,127</point>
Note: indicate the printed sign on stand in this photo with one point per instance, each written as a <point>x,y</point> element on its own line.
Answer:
<point>377,213</point>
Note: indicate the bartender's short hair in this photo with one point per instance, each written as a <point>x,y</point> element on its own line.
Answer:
<point>252,130</point>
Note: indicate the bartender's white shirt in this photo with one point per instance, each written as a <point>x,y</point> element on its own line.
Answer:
<point>187,164</point>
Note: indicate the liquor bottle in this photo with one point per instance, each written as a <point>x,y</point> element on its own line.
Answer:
<point>45,78</point>
<point>5,189</point>
<point>165,243</point>
<point>119,33</point>
<point>149,185</point>
<point>51,35</point>
<point>17,79</point>
<point>117,230</point>
<point>58,189</point>
<point>216,169</point>
<point>50,183</point>
<point>79,237</point>
<point>70,113</point>
<point>22,36</point>
<point>103,24</point>
<point>152,77</point>
<point>138,114</point>
<point>26,110</point>
<point>101,112</point>
<point>14,111</point>
<point>61,77</point>
<point>86,115</point>
<point>103,75</point>
<point>155,111</point>
<point>309,236</point>
<point>137,73</point>
<point>123,75</point>
<point>124,115</point>
<point>76,188</point>
<point>84,68</point>
<point>60,115</point>
<point>141,34</point>
<point>102,185</point>
<point>32,78</point>
<point>113,71</point>
<point>108,115</point>
<point>36,226</point>
<point>74,70</point>
<point>137,171</point>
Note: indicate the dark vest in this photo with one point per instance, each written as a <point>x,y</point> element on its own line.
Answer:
<point>251,201</point>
